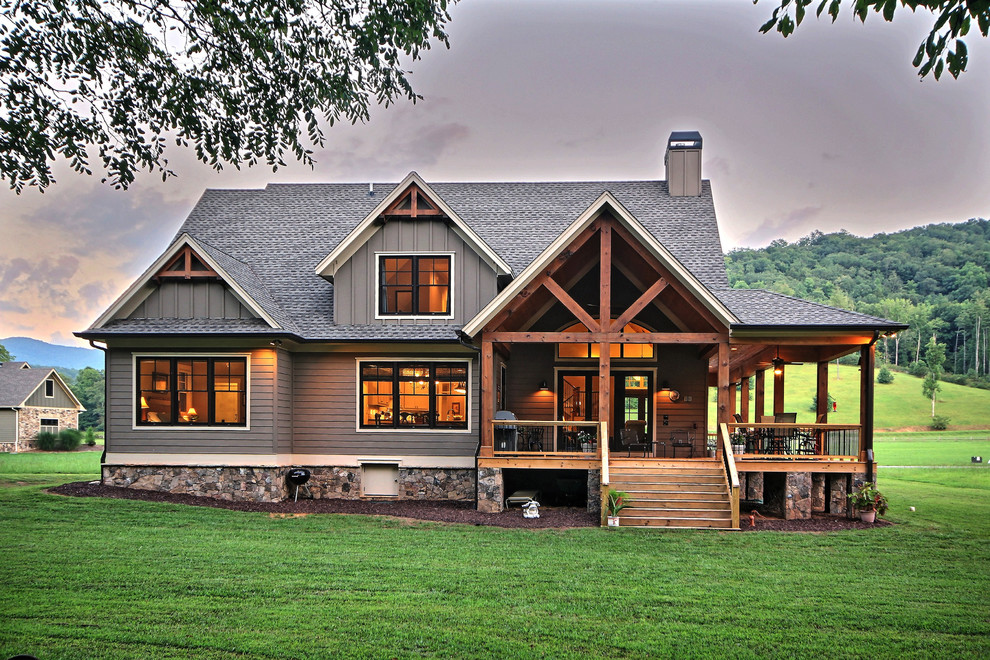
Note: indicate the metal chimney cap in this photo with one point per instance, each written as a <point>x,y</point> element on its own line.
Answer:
<point>684,140</point>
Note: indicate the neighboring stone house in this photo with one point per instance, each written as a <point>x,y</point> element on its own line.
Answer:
<point>33,400</point>
<point>380,335</point>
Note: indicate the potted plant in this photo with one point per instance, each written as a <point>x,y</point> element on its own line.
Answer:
<point>615,501</point>
<point>738,440</point>
<point>868,501</point>
<point>586,440</point>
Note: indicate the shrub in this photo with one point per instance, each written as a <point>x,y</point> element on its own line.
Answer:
<point>69,439</point>
<point>884,377</point>
<point>918,369</point>
<point>940,422</point>
<point>90,437</point>
<point>47,441</point>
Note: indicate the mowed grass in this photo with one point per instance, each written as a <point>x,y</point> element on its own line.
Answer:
<point>93,578</point>
<point>897,406</point>
<point>923,449</point>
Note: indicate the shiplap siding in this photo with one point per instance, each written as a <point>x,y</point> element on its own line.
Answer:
<point>191,300</point>
<point>325,396</point>
<point>39,400</point>
<point>8,426</point>
<point>260,439</point>
<point>473,280</point>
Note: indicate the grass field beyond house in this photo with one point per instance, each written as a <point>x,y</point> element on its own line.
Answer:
<point>93,578</point>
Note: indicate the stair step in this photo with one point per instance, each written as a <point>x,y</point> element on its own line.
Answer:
<point>667,479</point>
<point>676,505</point>
<point>722,523</point>
<point>670,487</point>
<point>647,495</point>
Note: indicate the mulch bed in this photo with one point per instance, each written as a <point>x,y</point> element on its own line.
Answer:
<point>447,512</point>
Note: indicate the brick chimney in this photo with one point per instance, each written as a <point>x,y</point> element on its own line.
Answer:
<point>683,163</point>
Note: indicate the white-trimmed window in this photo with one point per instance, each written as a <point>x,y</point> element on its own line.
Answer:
<point>414,285</point>
<point>413,395</point>
<point>49,425</point>
<point>191,391</point>
<point>50,388</point>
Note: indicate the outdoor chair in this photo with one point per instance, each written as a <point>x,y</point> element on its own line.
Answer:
<point>630,441</point>
<point>681,438</point>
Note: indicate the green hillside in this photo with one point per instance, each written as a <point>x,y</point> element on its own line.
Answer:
<point>898,406</point>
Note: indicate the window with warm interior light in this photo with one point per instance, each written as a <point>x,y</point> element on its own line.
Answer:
<point>411,395</point>
<point>413,285</point>
<point>590,350</point>
<point>191,391</point>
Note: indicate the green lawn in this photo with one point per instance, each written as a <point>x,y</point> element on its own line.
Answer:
<point>90,578</point>
<point>923,449</point>
<point>898,405</point>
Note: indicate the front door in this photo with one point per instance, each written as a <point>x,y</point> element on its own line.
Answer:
<point>632,392</point>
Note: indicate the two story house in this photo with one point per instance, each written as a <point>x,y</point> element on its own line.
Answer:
<point>469,340</point>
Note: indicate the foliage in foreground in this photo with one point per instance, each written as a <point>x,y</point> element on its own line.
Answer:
<point>238,82</point>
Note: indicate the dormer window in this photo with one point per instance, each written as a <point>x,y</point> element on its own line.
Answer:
<point>411,285</point>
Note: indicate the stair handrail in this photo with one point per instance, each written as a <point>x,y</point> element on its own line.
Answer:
<point>731,474</point>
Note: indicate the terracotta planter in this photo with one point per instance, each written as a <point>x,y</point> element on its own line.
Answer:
<point>868,516</point>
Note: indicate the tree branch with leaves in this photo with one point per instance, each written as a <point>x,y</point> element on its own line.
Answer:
<point>239,82</point>
<point>943,49</point>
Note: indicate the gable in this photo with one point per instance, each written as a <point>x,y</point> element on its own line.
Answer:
<point>62,396</point>
<point>411,199</point>
<point>189,282</point>
<point>20,386</point>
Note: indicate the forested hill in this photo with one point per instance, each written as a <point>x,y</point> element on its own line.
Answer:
<point>935,278</point>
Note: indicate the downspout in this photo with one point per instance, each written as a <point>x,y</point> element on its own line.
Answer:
<point>463,340</point>
<point>106,401</point>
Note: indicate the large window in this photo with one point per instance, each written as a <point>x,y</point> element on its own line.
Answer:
<point>192,391</point>
<point>49,425</point>
<point>410,395</point>
<point>411,285</point>
<point>615,350</point>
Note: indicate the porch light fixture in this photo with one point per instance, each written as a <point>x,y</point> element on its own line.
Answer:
<point>667,393</point>
<point>544,386</point>
<point>778,364</point>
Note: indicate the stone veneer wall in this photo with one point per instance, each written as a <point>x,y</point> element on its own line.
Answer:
<point>29,423</point>
<point>267,484</point>
<point>595,492</point>
<point>491,490</point>
<point>806,492</point>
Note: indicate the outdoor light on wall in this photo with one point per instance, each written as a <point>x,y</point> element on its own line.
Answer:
<point>544,386</point>
<point>667,394</point>
<point>778,366</point>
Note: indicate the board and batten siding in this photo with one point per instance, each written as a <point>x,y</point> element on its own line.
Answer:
<point>474,282</point>
<point>191,300</point>
<point>123,437</point>
<point>325,399</point>
<point>8,426</point>
<point>60,400</point>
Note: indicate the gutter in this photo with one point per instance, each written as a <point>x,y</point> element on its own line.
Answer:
<point>106,399</point>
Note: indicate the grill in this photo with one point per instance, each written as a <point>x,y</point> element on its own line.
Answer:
<point>298,477</point>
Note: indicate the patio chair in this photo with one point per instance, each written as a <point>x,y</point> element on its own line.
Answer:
<point>681,438</point>
<point>630,440</point>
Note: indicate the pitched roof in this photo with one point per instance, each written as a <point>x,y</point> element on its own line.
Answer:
<point>18,383</point>
<point>270,242</point>
<point>761,308</point>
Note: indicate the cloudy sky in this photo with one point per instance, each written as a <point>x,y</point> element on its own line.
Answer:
<point>829,129</point>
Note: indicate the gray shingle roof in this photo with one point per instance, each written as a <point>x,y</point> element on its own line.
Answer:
<point>17,384</point>
<point>758,307</point>
<point>271,241</point>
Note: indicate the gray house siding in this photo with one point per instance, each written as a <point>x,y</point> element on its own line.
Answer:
<point>191,300</point>
<point>39,400</point>
<point>474,281</point>
<point>325,411</point>
<point>283,402</point>
<point>8,426</point>
<point>259,439</point>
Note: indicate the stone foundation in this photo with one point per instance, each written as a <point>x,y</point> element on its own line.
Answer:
<point>838,487</point>
<point>29,424</point>
<point>491,490</point>
<point>267,484</point>
<point>7,447</point>
<point>754,486</point>
<point>797,498</point>
<point>595,492</point>
<point>818,492</point>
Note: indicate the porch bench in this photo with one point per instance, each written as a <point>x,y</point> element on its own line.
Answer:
<point>522,497</point>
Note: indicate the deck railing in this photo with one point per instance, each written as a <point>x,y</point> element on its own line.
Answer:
<point>515,437</point>
<point>731,475</point>
<point>798,441</point>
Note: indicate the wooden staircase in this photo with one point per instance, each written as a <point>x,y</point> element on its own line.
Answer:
<point>687,494</point>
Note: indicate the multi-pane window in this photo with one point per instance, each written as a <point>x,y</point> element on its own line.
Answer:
<point>615,350</point>
<point>180,391</point>
<point>49,425</point>
<point>413,395</point>
<point>414,285</point>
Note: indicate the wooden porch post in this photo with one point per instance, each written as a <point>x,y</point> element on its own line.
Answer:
<point>723,383</point>
<point>732,401</point>
<point>605,320</point>
<point>487,400</point>
<point>744,402</point>
<point>821,391</point>
<point>867,356</point>
<point>760,404</point>
<point>778,390</point>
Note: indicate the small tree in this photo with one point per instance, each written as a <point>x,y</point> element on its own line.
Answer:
<point>933,361</point>
<point>884,376</point>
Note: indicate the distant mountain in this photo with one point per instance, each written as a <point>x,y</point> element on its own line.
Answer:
<point>38,353</point>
